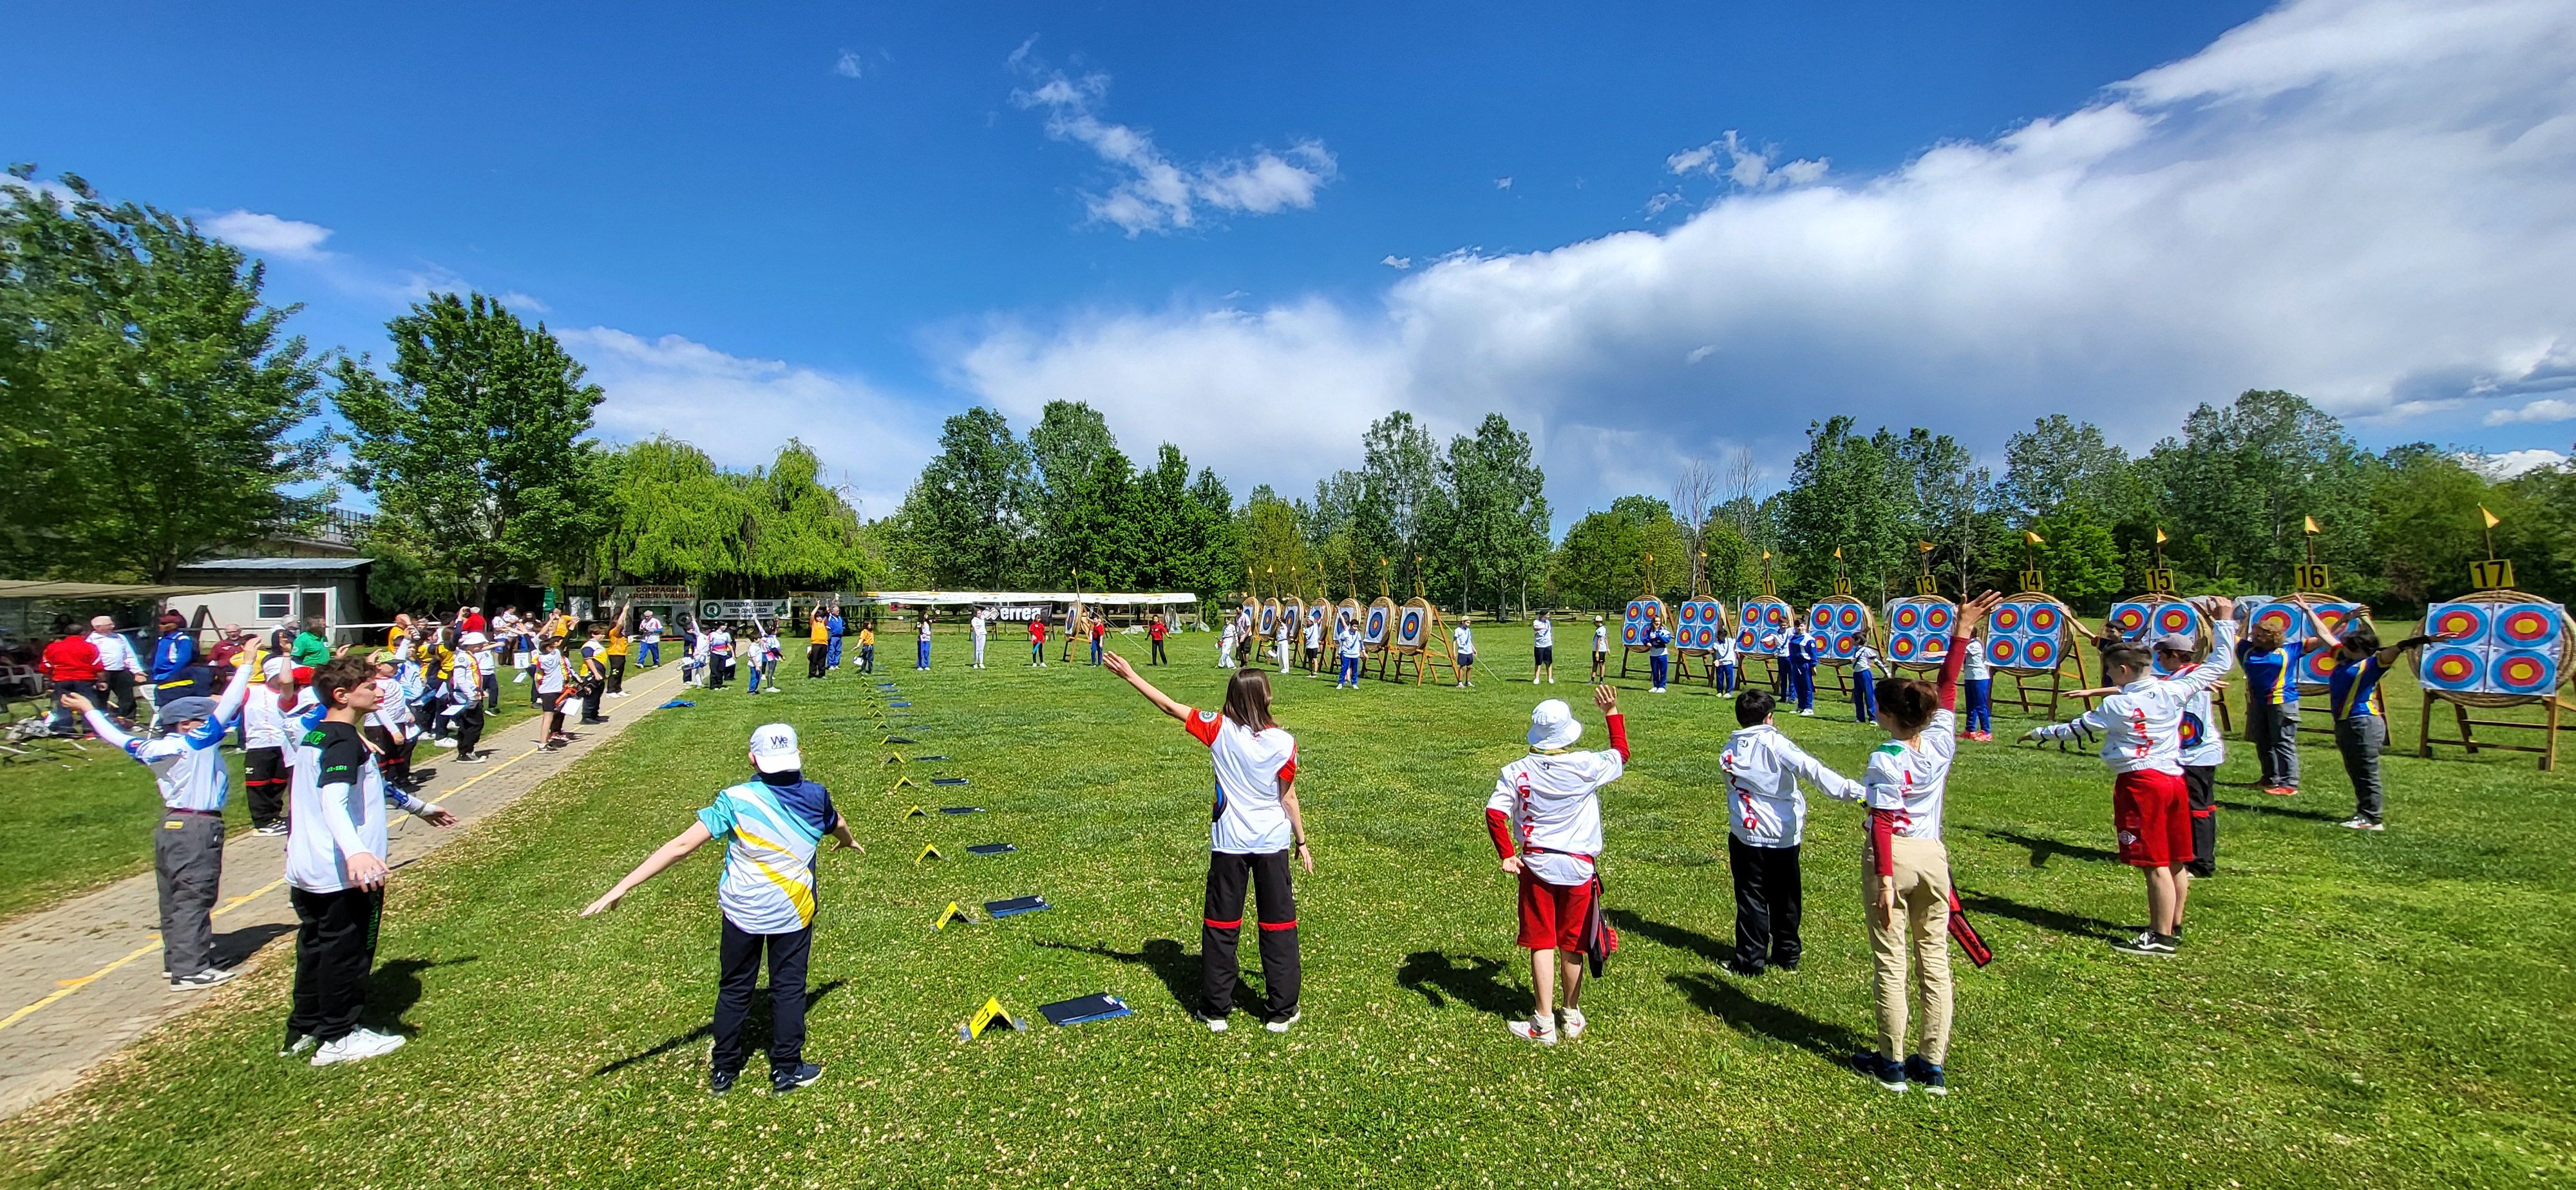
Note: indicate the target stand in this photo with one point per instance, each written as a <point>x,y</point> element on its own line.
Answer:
<point>2515,651</point>
<point>1642,614</point>
<point>1845,624</point>
<point>1762,630</point>
<point>1418,638</point>
<point>2298,617</point>
<point>1699,625</point>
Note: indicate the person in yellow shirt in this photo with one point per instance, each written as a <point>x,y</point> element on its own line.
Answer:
<point>868,647</point>
<point>818,644</point>
<point>618,647</point>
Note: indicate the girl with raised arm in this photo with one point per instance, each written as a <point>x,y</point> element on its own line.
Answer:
<point>1252,829</point>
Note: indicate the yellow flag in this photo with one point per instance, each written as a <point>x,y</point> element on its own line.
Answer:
<point>1838,551</point>
<point>2160,535</point>
<point>2032,538</point>
<point>1925,546</point>
<point>2312,526</point>
<point>2492,519</point>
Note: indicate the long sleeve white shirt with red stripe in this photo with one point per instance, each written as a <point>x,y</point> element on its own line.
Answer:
<point>2140,724</point>
<point>1547,808</point>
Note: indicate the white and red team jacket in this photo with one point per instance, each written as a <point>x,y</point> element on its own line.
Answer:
<point>1549,804</point>
<point>1905,784</point>
<point>1251,768</point>
<point>2140,724</point>
<point>1765,807</point>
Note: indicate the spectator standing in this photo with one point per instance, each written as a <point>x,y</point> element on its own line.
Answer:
<point>71,664</point>
<point>649,637</point>
<point>1543,649</point>
<point>1155,634</point>
<point>312,647</point>
<point>175,672</point>
<point>118,667</point>
<point>266,715</point>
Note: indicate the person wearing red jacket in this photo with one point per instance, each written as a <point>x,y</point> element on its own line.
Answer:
<point>72,665</point>
<point>1156,631</point>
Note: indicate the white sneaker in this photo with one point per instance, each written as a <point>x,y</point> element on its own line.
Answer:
<point>442,743</point>
<point>1551,681</point>
<point>1808,711</point>
<point>1281,1025</point>
<point>358,1046</point>
<point>1533,679</point>
<point>302,1042</point>
<point>1574,1023</point>
<point>210,977</point>
<point>1539,1030</point>
<point>1215,1024</point>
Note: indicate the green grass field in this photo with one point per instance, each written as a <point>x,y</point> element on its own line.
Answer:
<point>2350,1009</point>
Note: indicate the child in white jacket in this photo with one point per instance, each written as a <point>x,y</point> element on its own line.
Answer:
<point>1766,823</point>
<point>2140,726</point>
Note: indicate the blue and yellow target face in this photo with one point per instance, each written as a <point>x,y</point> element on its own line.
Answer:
<point>1376,633</point>
<point>1408,628</point>
<point>1918,630</point>
<point>2025,635</point>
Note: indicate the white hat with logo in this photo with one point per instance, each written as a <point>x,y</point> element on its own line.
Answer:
<point>773,749</point>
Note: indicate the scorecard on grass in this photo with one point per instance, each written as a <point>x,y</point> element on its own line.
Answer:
<point>1082,1009</point>
<point>1014,906</point>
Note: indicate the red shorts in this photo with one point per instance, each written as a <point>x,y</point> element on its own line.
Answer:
<point>1552,914</point>
<point>2152,813</point>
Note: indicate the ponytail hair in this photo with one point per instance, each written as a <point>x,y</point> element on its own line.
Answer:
<point>1908,704</point>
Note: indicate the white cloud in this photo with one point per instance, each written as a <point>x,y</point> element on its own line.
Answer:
<point>2370,202</point>
<point>1739,162</point>
<point>527,302</point>
<point>741,410</point>
<point>847,66</point>
<point>2547,409</point>
<point>1503,183</point>
<point>1398,263</point>
<point>2515,462</point>
<point>1153,193</point>
<point>253,231</point>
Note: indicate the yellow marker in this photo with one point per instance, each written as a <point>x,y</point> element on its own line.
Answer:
<point>984,1018</point>
<point>951,913</point>
<point>900,782</point>
<point>895,758</point>
<point>2032,538</point>
<point>916,812</point>
<point>928,851</point>
<point>2160,535</point>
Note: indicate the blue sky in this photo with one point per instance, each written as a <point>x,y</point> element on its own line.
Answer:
<point>1649,234</point>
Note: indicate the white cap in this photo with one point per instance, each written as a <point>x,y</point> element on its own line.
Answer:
<point>276,667</point>
<point>471,639</point>
<point>773,749</point>
<point>1552,725</point>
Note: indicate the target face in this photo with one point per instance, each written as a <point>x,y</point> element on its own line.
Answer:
<point>2043,617</point>
<point>2334,615</point>
<point>1906,618</point>
<point>2527,628</point>
<point>1901,647</point>
<point>2521,671</point>
<point>1744,641</point>
<point>2178,617</point>
<point>1376,626</point>
<point>2467,621</point>
<point>2192,730</point>
<point>1408,628</point>
<point>2007,617</point>
<point>1937,618</point>
<point>2004,651</point>
<point>1848,619</point>
<point>1847,644</point>
<point>2317,668</point>
<point>1820,617</point>
<point>1703,622</point>
<point>2026,634</point>
<point>1690,614</point>
<point>2127,619</point>
<point>1766,623</point>
<point>2040,653</point>
<point>2283,618</point>
<point>2454,668</point>
<point>1918,630</point>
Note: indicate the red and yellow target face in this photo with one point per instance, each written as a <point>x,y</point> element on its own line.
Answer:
<point>1776,615</point>
<point>2520,671</point>
<point>2334,618</point>
<point>2452,668</point>
<point>1848,617</point>
<point>2128,619</point>
<point>1901,648</point>
<point>2528,627</point>
<point>2465,622</point>
<point>2279,617</point>
<point>1937,617</point>
<point>2007,617</point>
<point>2040,653</point>
<point>2191,729</point>
<point>2004,651</point>
<point>2043,618</point>
<point>2174,617</point>
<point>1905,617</point>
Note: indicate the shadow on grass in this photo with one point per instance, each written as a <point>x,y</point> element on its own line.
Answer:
<point>2042,849</point>
<point>234,947</point>
<point>1744,1014</point>
<point>2073,925</point>
<point>396,987</point>
<point>1476,982</point>
<point>1176,967</point>
<point>1676,937</point>
<point>755,1030</point>
<point>2282,808</point>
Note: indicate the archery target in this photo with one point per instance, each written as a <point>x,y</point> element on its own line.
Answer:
<point>2026,635</point>
<point>1842,623</point>
<point>1703,622</point>
<point>2178,617</point>
<point>2192,730</point>
<point>1408,627</point>
<point>2317,668</point>
<point>2127,619</point>
<point>1766,628</point>
<point>1375,634</point>
<point>2454,668</point>
<point>2528,627</point>
<point>1848,619</point>
<point>1918,630</point>
<point>1269,617</point>
<point>2510,649</point>
<point>2285,617</point>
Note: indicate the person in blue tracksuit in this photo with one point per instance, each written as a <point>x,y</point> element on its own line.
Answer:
<point>1800,670</point>
<point>175,671</point>
<point>1865,685</point>
<point>834,626</point>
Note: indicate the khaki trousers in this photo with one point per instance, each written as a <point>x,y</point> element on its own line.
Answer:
<point>1921,923</point>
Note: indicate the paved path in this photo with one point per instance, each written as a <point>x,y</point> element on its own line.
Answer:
<point>81,980</point>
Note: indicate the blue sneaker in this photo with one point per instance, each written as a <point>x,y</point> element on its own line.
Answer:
<point>1925,1075</point>
<point>803,1074</point>
<point>1888,1075</point>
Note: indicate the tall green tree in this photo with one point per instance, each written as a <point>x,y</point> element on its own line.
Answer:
<point>671,515</point>
<point>152,408</point>
<point>798,534</point>
<point>962,523</point>
<point>1215,550</point>
<point>1498,532</point>
<point>1844,495</point>
<point>1602,562</point>
<point>2424,525</point>
<point>473,440</point>
<point>2060,461</point>
<point>1402,503</point>
<point>2241,482</point>
<point>1070,442</point>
